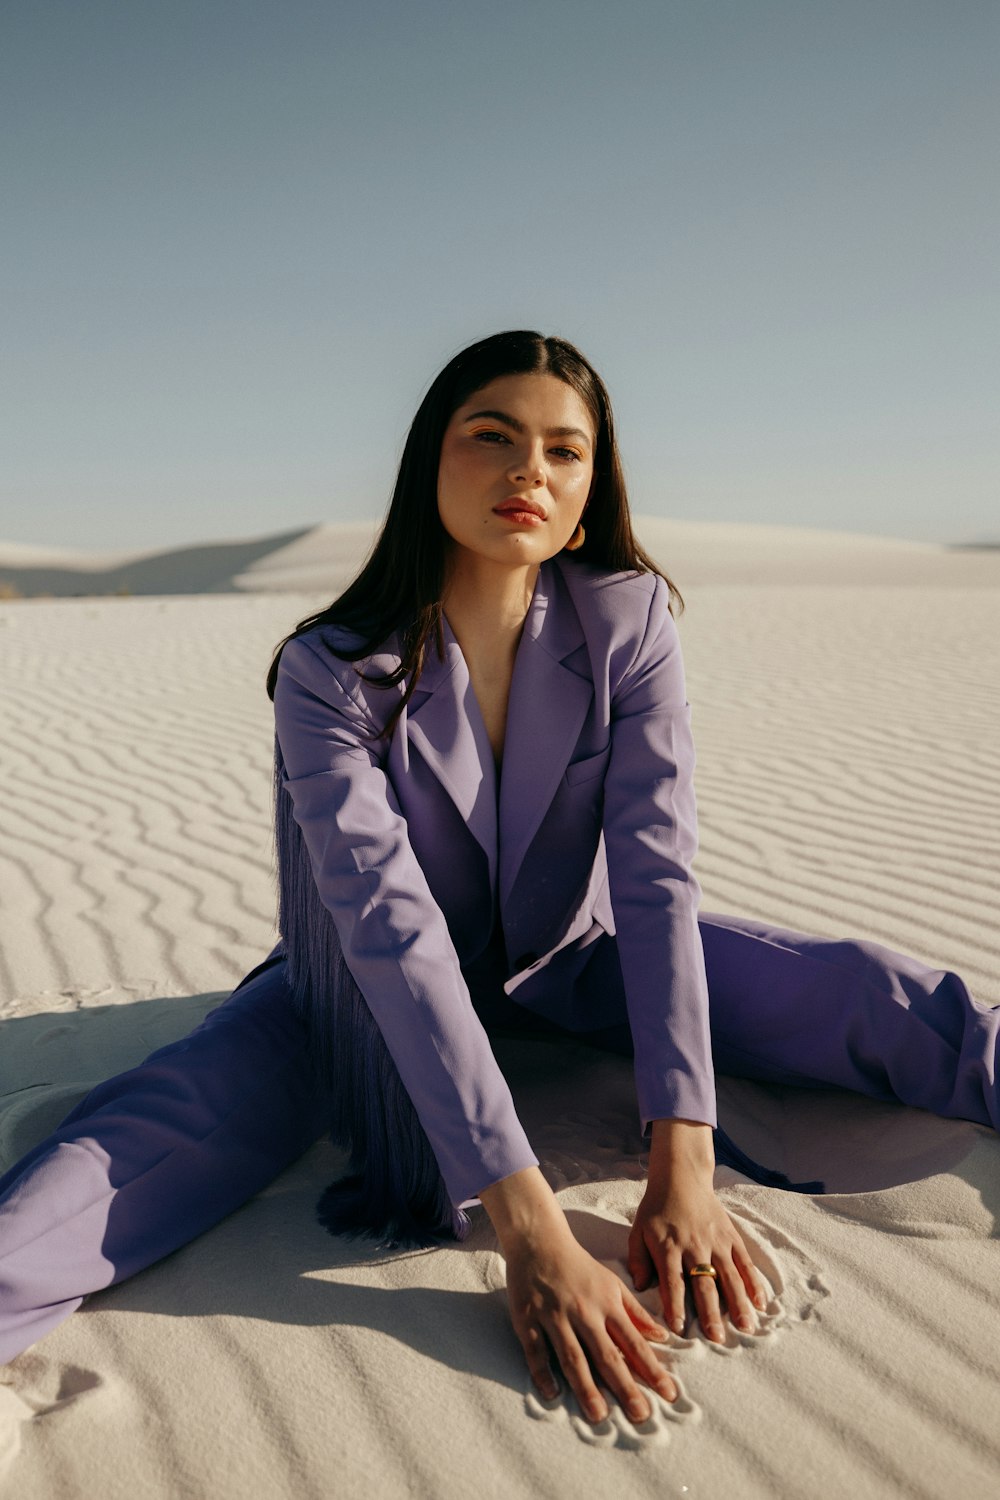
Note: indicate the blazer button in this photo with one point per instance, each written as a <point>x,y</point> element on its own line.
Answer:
<point>527,959</point>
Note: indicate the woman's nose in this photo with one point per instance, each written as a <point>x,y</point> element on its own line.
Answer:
<point>527,467</point>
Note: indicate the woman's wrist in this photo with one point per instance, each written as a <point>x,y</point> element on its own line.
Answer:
<point>680,1148</point>
<point>522,1205</point>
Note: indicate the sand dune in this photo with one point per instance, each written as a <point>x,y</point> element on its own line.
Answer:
<point>848,785</point>
<point>205,569</point>
<point>323,560</point>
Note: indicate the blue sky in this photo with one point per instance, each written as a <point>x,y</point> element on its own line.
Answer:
<point>241,238</point>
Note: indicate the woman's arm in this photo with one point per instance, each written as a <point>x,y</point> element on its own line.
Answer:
<point>651,835</point>
<point>393,934</point>
<point>650,827</point>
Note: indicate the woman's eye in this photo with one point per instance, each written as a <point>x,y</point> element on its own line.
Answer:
<point>488,434</point>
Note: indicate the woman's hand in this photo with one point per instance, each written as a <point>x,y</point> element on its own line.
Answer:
<point>560,1293</point>
<point>679,1224</point>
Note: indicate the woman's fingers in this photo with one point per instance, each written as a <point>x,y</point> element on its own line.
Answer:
<point>737,1278</point>
<point>642,1359</point>
<point>640,1263</point>
<point>728,1284</point>
<point>681,1227</point>
<point>537,1354</point>
<point>619,1354</point>
<point>559,1296</point>
<point>706,1300</point>
<point>612,1365</point>
<point>670,1274</point>
<point>734,1290</point>
<point>675,1276</point>
<point>751,1279</point>
<point>576,1368</point>
<point>644,1321</point>
<point>614,1368</point>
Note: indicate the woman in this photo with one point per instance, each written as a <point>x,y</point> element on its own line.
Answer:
<point>485,821</point>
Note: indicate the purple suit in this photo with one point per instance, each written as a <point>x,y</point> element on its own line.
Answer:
<point>570,900</point>
<point>588,846</point>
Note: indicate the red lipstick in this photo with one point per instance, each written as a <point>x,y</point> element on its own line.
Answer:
<point>521,510</point>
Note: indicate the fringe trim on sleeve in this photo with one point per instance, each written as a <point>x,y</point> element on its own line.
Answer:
<point>393,1191</point>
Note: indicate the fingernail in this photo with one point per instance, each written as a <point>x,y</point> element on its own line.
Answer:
<point>638,1411</point>
<point>598,1411</point>
<point>678,1325</point>
<point>746,1322</point>
<point>549,1390</point>
<point>715,1332</point>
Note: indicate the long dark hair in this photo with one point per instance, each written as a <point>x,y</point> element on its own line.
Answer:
<point>401,584</point>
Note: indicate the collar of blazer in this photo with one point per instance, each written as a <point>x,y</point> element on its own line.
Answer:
<point>551,692</point>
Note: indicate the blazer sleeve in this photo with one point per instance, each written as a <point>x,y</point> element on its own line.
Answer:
<point>651,838</point>
<point>393,934</point>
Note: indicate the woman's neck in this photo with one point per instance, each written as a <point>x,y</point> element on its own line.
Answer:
<point>486,607</point>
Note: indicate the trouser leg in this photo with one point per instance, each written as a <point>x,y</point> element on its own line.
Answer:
<point>789,1007</point>
<point>156,1155</point>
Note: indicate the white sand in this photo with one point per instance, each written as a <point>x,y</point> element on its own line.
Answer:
<point>848,784</point>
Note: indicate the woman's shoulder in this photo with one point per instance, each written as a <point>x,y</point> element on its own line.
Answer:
<point>590,578</point>
<point>619,600</point>
<point>350,641</point>
<point>328,661</point>
<point>332,635</point>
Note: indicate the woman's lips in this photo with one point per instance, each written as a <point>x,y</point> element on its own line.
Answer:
<point>521,517</point>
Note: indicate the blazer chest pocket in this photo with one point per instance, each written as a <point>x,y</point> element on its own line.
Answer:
<point>586,770</point>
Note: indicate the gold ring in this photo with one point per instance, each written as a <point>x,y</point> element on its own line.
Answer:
<point>703,1270</point>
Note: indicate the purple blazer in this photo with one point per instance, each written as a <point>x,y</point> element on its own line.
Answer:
<point>588,838</point>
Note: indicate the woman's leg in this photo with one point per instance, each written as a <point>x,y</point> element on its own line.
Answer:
<point>788,1007</point>
<point>155,1156</point>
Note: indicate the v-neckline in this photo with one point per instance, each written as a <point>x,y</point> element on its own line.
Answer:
<point>498,765</point>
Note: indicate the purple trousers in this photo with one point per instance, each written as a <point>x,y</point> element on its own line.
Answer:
<point>156,1155</point>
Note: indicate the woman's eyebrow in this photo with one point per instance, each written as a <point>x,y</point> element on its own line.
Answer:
<point>502,416</point>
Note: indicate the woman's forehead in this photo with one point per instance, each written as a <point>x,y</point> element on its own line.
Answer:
<point>536,396</point>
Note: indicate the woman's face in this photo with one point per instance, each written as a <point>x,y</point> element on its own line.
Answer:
<point>521,436</point>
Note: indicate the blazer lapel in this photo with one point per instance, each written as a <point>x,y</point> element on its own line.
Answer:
<point>443,721</point>
<point>548,704</point>
<point>545,712</point>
